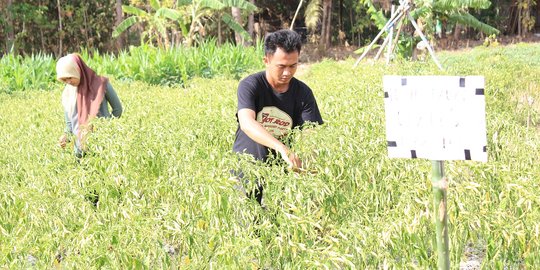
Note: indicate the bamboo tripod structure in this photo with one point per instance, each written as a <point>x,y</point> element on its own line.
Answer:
<point>398,16</point>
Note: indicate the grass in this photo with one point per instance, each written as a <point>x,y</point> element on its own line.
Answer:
<point>155,192</point>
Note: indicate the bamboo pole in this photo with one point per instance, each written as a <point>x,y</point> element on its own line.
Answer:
<point>393,45</point>
<point>392,20</point>
<point>391,35</point>
<point>424,39</point>
<point>295,14</point>
<point>440,187</point>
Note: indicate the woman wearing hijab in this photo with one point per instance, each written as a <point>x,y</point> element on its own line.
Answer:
<point>85,96</point>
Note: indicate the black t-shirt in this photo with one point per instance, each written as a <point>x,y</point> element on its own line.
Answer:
<point>279,113</point>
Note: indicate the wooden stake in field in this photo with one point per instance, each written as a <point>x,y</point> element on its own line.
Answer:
<point>437,118</point>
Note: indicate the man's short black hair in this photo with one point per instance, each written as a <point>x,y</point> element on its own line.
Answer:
<point>286,39</point>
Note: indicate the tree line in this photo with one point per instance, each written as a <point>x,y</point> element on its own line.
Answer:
<point>61,26</point>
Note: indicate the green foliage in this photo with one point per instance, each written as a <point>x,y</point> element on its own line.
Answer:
<point>155,191</point>
<point>453,4</point>
<point>469,20</point>
<point>200,11</point>
<point>174,66</point>
<point>36,25</point>
<point>156,23</point>
<point>190,17</point>
<point>378,18</point>
<point>453,12</point>
<point>491,41</point>
<point>24,16</point>
<point>229,21</point>
<point>241,4</point>
<point>19,73</point>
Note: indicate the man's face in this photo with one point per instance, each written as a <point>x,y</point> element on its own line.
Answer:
<point>280,68</point>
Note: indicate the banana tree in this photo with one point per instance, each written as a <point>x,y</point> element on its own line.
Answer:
<point>156,21</point>
<point>200,10</point>
<point>452,12</point>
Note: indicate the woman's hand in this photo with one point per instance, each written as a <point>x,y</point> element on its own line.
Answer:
<point>62,141</point>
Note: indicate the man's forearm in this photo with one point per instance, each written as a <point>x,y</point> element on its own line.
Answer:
<point>255,131</point>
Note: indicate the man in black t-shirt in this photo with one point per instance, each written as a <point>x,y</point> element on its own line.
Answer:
<point>272,102</point>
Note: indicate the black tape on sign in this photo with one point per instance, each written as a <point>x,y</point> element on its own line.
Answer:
<point>467,154</point>
<point>461,82</point>
<point>479,91</point>
<point>413,153</point>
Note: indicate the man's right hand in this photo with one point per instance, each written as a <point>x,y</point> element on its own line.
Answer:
<point>293,161</point>
<point>62,141</point>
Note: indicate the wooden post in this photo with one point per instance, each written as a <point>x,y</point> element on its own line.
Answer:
<point>60,29</point>
<point>10,41</point>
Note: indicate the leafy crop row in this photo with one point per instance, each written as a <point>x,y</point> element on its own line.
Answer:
<point>156,192</point>
<point>174,66</point>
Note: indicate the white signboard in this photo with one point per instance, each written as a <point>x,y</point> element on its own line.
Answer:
<point>435,117</point>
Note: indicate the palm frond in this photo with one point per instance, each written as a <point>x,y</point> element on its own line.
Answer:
<point>134,11</point>
<point>183,2</point>
<point>229,20</point>
<point>172,14</point>
<point>155,4</point>
<point>312,14</point>
<point>460,4</point>
<point>212,4</point>
<point>125,24</point>
<point>420,12</point>
<point>377,17</point>
<point>480,4</point>
<point>241,4</point>
<point>469,20</point>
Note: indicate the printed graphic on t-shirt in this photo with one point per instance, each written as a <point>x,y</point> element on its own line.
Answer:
<point>275,121</point>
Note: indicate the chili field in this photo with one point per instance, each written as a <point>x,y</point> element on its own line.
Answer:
<point>155,190</point>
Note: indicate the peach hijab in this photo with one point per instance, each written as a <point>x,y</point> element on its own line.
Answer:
<point>91,90</point>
